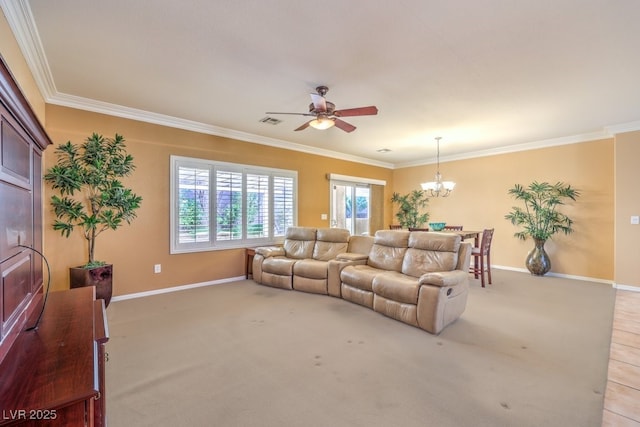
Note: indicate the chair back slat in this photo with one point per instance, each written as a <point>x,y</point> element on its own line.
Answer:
<point>485,244</point>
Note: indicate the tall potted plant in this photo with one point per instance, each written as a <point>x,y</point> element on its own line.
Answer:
<point>540,218</point>
<point>92,198</point>
<point>410,205</point>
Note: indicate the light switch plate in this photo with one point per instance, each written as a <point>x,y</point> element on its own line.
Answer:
<point>635,219</point>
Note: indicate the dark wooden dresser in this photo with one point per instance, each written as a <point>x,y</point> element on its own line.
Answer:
<point>54,375</point>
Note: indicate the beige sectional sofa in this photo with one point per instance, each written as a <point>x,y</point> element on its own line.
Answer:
<point>418,278</point>
<point>302,263</point>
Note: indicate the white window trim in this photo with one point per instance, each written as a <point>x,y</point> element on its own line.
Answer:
<point>355,179</point>
<point>175,161</point>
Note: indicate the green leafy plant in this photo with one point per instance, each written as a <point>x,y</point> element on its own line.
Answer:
<point>91,195</point>
<point>409,213</point>
<point>540,218</point>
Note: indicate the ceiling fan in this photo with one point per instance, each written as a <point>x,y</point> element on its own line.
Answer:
<point>326,115</point>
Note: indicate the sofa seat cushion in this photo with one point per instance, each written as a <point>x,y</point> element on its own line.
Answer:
<point>281,266</point>
<point>360,276</point>
<point>311,268</point>
<point>397,287</point>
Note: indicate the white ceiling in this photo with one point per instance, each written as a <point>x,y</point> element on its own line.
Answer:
<point>486,75</point>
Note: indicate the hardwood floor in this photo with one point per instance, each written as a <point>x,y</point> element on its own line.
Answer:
<point>622,396</point>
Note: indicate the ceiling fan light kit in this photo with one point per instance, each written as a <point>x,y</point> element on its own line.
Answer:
<point>326,115</point>
<point>438,187</point>
<point>322,123</point>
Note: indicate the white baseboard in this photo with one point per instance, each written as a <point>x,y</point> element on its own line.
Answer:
<point>622,287</point>
<point>564,276</point>
<point>175,288</point>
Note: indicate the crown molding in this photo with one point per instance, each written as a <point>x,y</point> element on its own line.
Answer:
<point>554,142</point>
<point>623,127</point>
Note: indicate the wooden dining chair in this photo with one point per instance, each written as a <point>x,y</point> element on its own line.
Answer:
<point>453,227</point>
<point>418,229</point>
<point>395,227</point>
<point>482,257</point>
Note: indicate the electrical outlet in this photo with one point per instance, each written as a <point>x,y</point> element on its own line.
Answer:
<point>323,217</point>
<point>157,268</point>
<point>635,220</point>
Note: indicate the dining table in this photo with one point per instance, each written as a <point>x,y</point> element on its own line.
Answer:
<point>466,234</point>
<point>470,234</point>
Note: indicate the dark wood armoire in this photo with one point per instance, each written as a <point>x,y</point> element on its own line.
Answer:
<point>52,346</point>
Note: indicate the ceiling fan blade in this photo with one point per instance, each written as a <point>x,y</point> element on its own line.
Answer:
<point>295,114</point>
<point>303,127</point>
<point>361,111</point>
<point>344,125</point>
<point>319,103</point>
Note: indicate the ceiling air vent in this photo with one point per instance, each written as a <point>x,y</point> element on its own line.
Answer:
<point>270,121</point>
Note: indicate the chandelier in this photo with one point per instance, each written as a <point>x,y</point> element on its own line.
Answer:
<point>438,187</point>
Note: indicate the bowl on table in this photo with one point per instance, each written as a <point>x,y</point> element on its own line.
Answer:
<point>437,226</point>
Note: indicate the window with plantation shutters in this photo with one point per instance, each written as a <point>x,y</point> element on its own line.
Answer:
<point>218,205</point>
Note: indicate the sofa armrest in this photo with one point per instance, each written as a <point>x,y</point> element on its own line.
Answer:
<point>444,278</point>
<point>350,256</point>
<point>270,251</point>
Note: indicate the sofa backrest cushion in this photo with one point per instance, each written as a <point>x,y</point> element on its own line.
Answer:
<point>299,242</point>
<point>330,242</point>
<point>429,252</point>
<point>388,249</point>
<point>360,244</point>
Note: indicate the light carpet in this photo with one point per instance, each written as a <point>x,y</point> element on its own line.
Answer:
<point>528,351</point>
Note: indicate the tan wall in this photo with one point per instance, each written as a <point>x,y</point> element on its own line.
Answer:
<point>135,248</point>
<point>480,200</point>
<point>627,203</point>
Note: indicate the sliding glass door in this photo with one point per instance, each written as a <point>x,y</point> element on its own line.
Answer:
<point>351,206</point>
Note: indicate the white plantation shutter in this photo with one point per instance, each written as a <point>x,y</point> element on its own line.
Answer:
<point>283,204</point>
<point>228,205</point>
<point>257,202</point>
<point>252,205</point>
<point>193,204</point>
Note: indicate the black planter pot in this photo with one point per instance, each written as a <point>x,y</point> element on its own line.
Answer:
<point>100,277</point>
